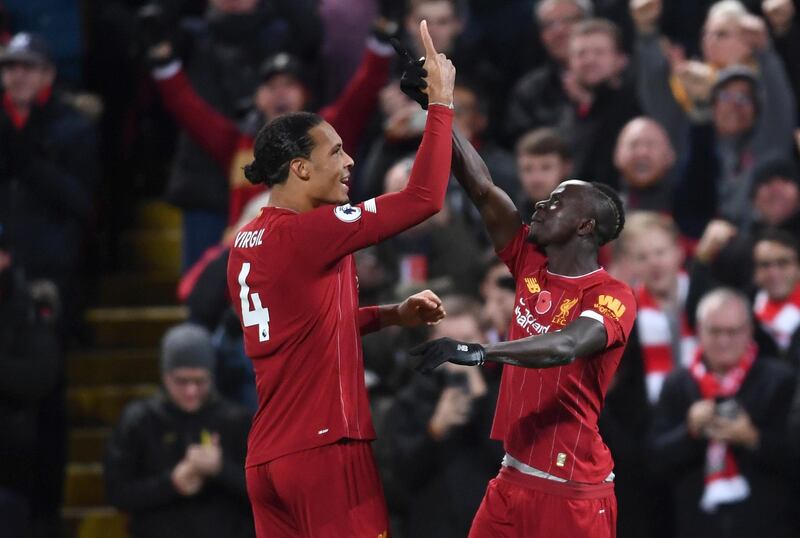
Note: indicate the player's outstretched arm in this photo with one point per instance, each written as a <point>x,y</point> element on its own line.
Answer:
<point>500,215</point>
<point>583,337</point>
<point>423,308</point>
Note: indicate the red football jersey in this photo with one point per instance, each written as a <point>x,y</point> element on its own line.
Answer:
<point>547,418</point>
<point>292,281</point>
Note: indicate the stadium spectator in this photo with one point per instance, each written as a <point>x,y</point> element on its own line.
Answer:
<point>48,149</point>
<point>776,195</point>
<point>725,155</point>
<point>543,161</point>
<point>660,342</point>
<point>284,87</point>
<point>724,252</point>
<point>175,462</point>
<point>785,32</point>
<point>498,292</point>
<point>445,23</point>
<point>440,249</point>
<point>602,100</point>
<point>719,431</point>
<point>645,161</point>
<point>472,119</point>
<point>777,300</point>
<point>49,171</point>
<point>675,91</point>
<point>439,433</point>
<point>29,368</point>
<point>225,49</point>
<point>539,98</point>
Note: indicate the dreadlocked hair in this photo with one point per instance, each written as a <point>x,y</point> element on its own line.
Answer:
<point>608,231</point>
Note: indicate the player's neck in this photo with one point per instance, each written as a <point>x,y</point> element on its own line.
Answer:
<point>574,259</point>
<point>286,197</point>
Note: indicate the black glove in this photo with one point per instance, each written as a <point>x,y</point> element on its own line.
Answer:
<point>413,80</point>
<point>431,354</point>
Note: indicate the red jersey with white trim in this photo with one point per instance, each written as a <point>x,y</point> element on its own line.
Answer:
<point>292,281</point>
<point>547,418</point>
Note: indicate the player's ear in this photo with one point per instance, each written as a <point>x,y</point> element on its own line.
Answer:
<point>587,227</point>
<point>301,168</point>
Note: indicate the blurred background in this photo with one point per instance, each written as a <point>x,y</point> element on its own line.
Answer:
<point>124,127</point>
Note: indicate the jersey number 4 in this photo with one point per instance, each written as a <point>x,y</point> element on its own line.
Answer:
<point>258,315</point>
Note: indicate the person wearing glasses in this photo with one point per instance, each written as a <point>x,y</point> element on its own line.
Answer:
<point>175,462</point>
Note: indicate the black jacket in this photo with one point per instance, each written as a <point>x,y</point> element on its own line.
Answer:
<point>149,441</point>
<point>48,171</point>
<point>593,134</point>
<point>537,100</point>
<point>445,479</point>
<point>766,395</point>
<point>643,500</point>
<point>29,362</point>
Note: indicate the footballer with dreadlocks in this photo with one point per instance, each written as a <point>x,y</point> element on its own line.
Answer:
<point>570,325</point>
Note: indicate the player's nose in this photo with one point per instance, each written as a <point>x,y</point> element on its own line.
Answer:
<point>348,161</point>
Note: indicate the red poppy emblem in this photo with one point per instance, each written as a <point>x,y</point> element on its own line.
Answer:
<point>544,302</point>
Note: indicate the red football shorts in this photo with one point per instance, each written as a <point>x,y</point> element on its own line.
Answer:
<point>517,505</point>
<point>331,491</point>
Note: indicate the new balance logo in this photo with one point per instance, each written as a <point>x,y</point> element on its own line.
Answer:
<point>533,285</point>
<point>462,347</point>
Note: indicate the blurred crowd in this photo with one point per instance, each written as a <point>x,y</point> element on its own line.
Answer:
<point>688,107</point>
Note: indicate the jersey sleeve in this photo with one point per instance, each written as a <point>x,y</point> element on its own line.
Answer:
<point>515,254</point>
<point>328,233</point>
<point>612,304</point>
<point>369,319</point>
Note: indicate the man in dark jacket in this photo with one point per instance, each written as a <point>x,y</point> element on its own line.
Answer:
<point>719,431</point>
<point>438,429</point>
<point>49,167</point>
<point>538,98</point>
<point>176,460</point>
<point>28,371</point>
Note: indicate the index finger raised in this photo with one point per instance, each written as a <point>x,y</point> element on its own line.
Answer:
<point>427,42</point>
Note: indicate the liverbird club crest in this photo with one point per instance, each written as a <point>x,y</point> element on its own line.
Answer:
<point>543,302</point>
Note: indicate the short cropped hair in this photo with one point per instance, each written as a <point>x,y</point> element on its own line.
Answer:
<point>781,237</point>
<point>717,297</point>
<point>599,26</point>
<point>641,222</point>
<point>543,141</point>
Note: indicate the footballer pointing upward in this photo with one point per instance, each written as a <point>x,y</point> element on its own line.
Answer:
<point>570,325</point>
<point>310,468</point>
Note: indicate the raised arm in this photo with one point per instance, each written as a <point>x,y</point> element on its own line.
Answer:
<point>499,213</point>
<point>342,230</point>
